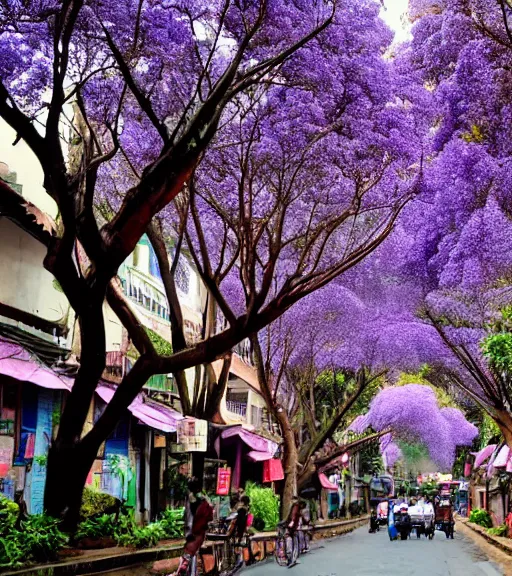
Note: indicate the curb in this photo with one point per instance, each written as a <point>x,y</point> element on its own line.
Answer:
<point>494,540</point>
<point>103,564</point>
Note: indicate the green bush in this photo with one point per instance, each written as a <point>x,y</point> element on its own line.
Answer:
<point>97,527</point>
<point>39,540</point>
<point>481,517</point>
<point>264,504</point>
<point>96,503</point>
<point>172,522</point>
<point>142,537</point>
<point>8,514</point>
<point>499,530</point>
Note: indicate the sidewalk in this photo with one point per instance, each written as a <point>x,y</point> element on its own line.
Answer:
<point>497,548</point>
<point>84,562</point>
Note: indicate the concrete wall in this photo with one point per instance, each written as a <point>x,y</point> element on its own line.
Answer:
<point>23,161</point>
<point>24,283</point>
<point>43,437</point>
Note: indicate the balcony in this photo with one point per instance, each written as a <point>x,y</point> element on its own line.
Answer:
<point>238,408</point>
<point>244,350</point>
<point>161,383</point>
<point>145,291</point>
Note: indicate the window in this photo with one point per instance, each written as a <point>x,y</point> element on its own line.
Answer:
<point>8,404</point>
<point>256,416</point>
<point>182,277</point>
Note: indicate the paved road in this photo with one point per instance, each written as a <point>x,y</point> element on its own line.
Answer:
<point>363,554</point>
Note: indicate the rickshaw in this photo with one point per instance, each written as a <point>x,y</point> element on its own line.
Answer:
<point>444,517</point>
<point>403,523</point>
<point>382,513</point>
<point>422,521</point>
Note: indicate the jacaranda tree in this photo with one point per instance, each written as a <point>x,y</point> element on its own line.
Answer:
<point>312,160</point>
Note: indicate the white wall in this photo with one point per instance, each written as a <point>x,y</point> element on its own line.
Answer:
<point>24,282</point>
<point>23,161</point>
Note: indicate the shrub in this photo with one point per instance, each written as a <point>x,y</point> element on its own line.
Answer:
<point>97,527</point>
<point>172,522</point>
<point>8,514</point>
<point>142,537</point>
<point>39,540</point>
<point>499,530</point>
<point>481,517</point>
<point>264,504</point>
<point>43,537</point>
<point>96,503</point>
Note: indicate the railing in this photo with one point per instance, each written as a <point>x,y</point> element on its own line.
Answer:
<point>239,408</point>
<point>243,349</point>
<point>162,383</point>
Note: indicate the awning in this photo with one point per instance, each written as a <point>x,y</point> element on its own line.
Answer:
<point>256,456</point>
<point>18,363</point>
<point>502,457</point>
<point>483,455</point>
<point>326,485</point>
<point>254,441</point>
<point>149,412</point>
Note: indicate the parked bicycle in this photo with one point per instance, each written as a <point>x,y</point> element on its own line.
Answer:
<point>287,545</point>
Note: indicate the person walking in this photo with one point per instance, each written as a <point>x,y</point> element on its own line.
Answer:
<point>198,514</point>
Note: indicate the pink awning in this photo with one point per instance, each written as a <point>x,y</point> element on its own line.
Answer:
<point>254,441</point>
<point>16,362</point>
<point>502,458</point>
<point>256,456</point>
<point>483,455</point>
<point>326,485</point>
<point>151,413</point>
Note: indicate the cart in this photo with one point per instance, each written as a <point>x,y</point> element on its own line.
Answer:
<point>382,513</point>
<point>444,518</point>
<point>403,523</point>
<point>422,521</point>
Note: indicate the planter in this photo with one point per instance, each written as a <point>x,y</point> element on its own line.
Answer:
<point>96,543</point>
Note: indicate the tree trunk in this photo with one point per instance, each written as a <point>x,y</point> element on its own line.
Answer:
<point>504,420</point>
<point>69,461</point>
<point>67,470</point>
<point>290,463</point>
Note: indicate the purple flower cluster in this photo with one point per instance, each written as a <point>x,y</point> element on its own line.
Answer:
<point>412,414</point>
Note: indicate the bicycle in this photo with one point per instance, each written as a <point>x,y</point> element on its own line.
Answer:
<point>304,538</point>
<point>287,546</point>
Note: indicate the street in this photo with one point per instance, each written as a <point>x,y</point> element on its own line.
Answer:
<point>364,554</point>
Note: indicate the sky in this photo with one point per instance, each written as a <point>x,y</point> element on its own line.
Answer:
<point>392,13</point>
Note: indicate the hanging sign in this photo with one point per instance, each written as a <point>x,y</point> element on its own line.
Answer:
<point>159,441</point>
<point>6,454</point>
<point>192,435</point>
<point>223,481</point>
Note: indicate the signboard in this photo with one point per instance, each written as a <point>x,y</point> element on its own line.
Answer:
<point>6,454</point>
<point>223,481</point>
<point>192,435</point>
<point>159,441</point>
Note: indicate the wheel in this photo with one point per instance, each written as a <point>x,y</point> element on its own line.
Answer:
<point>280,552</point>
<point>294,553</point>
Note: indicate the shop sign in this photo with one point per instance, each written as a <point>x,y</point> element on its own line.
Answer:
<point>223,481</point>
<point>192,435</point>
<point>159,441</point>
